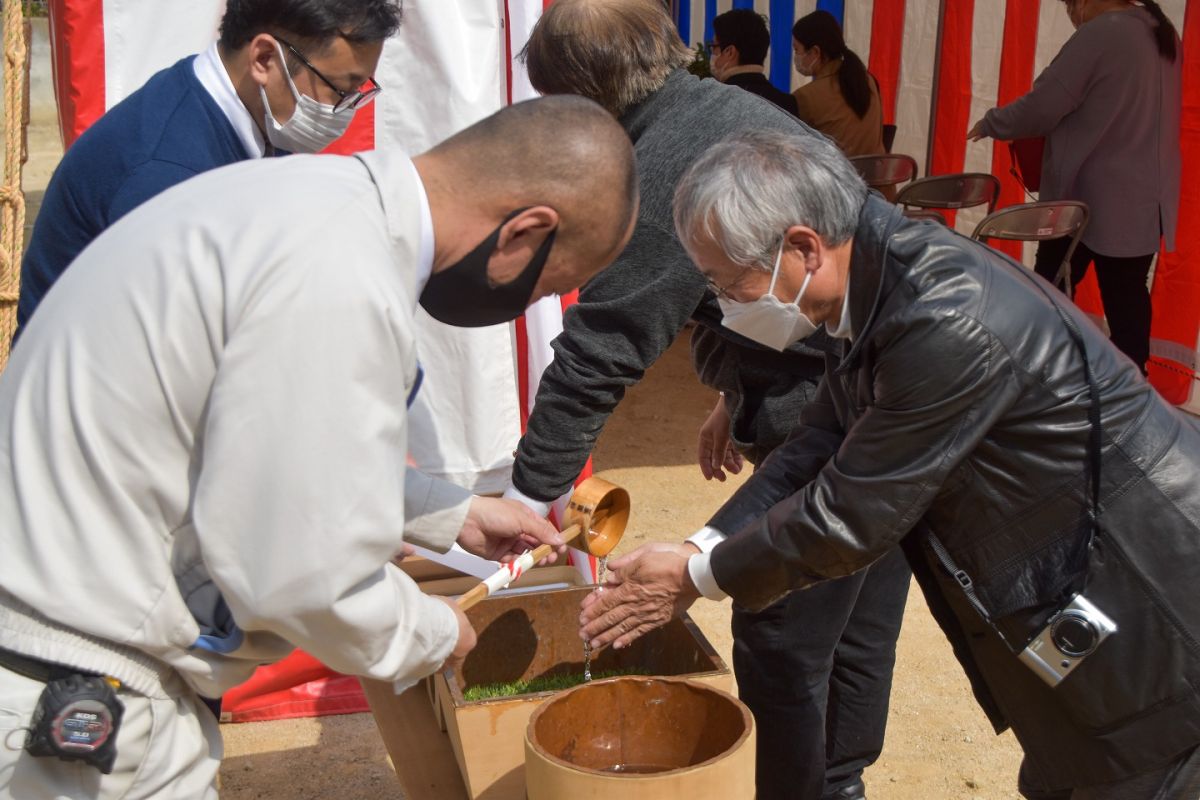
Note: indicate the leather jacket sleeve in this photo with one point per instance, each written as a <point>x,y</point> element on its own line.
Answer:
<point>938,380</point>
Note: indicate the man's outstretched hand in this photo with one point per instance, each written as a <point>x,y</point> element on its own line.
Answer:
<point>500,530</point>
<point>644,590</point>
<point>714,448</point>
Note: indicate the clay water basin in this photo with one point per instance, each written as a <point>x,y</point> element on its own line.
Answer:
<point>536,635</point>
<point>640,738</point>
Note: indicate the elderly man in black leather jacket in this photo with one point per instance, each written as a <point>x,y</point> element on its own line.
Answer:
<point>956,424</point>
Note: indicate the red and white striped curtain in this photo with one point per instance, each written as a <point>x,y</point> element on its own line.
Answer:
<point>543,321</point>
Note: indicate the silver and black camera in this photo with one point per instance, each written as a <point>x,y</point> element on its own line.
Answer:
<point>1069,637</point>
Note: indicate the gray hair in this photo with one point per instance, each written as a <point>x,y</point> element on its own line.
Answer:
<point>615,52</point>
<point>745,192</point>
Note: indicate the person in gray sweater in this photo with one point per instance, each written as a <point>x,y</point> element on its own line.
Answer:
<point>829,648</point>
<point>1109,106</point>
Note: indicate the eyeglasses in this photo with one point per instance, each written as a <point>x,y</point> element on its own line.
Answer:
<point>713,47</point>
<point>722,292</point>
<point>353,100</point>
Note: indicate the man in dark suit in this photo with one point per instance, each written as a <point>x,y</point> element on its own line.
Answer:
<point>739,51</point>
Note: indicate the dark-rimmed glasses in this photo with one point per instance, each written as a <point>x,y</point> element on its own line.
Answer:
<point>346,100</point>
<point>722,292</point>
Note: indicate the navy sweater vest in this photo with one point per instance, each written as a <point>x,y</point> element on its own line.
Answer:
<point>162,134</point>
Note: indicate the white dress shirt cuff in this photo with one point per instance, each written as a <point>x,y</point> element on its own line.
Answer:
<point>537,506</point>
<point>706,538</point>
<point>701,573</point>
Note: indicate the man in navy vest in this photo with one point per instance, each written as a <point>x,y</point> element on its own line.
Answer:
<point>286,76</point>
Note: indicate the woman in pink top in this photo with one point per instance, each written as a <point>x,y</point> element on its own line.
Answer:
<point>1109,106</point>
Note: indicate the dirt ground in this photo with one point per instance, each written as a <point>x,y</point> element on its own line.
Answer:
<point>939,744</point>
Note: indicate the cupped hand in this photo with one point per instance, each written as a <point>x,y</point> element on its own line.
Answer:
<point>500,530</point>
<point>644,590</point>
<point>715,447</point>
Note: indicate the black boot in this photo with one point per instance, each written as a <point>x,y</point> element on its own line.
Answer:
<point>853,791</point>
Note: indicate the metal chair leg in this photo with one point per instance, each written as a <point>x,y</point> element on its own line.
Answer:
<point>1063,278</point>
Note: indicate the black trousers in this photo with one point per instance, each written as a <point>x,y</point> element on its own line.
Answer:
<point>816,671</point>
<point>1122,289</point>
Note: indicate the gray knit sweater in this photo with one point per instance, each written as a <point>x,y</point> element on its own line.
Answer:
<point>630,314</point>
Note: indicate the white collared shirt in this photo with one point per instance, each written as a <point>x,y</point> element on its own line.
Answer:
<point>842,331</point>
<point>709,537</point>
<point>211,73</point>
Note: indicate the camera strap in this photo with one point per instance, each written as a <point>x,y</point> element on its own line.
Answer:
<point>1093,467</point>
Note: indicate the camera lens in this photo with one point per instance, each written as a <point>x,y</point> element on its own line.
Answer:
<point>1074,635</point>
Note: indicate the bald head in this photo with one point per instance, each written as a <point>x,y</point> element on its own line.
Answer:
<point>563,154</point>
<point>616,52</point>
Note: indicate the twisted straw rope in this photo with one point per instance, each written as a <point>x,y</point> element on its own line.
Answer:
<point>12,199</point>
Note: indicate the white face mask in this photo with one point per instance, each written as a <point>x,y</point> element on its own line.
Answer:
<point>805,69</point>
<point>716,67</point>
<point>313,126</point>
<point>768,320</point>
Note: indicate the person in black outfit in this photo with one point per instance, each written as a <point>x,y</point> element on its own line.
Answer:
<point>815,668</point>
<point>739,51</point>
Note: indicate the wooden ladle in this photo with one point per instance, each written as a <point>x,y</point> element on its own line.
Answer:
<point>595,520</point>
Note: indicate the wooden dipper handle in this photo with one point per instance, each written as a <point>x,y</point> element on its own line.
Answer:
<point>471,598</point>
<point>481,591</point>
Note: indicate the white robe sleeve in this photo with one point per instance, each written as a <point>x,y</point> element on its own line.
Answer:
<point>434,510</point>
<point>298,502</point>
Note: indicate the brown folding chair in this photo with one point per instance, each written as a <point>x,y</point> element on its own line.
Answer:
<point>880,172</point>
<point>964,190</point>
<point>1037,222</point>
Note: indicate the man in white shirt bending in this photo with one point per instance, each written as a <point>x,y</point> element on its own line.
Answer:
<point>202,460</point>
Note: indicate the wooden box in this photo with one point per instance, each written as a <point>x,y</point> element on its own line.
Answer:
<point>423,569</point>
<point>410,723</point>
<point>535,635</point>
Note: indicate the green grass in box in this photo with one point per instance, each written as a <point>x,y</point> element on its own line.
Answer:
<point>545,683</point>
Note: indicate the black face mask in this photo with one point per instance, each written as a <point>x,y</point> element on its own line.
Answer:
<point>464,296</point>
